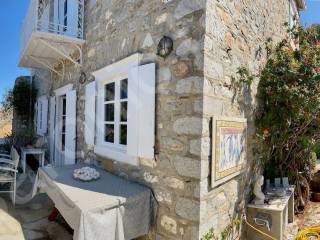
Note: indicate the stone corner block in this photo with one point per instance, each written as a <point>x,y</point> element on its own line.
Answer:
<point>188,209</point>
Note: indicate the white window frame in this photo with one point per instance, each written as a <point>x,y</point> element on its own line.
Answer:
<point>113,73</point>
<point>117,105</point>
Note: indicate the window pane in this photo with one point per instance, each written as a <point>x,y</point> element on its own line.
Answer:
<point>63,124</point>
<point>109,92</point>
<point>124,88</point>
<point>123,134</point>
<point>63,142</point>
<point>109,133</point>
<point>64,106</point>
<point>109,112</point>
<point>124,106</point>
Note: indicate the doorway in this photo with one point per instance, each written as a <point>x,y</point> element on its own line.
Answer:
<point>64,131</point>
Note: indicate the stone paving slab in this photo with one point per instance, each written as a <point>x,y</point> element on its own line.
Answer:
<point>310,218</point>
<point>30,221</point>
<point>10,228</point>
<point>33,218</point>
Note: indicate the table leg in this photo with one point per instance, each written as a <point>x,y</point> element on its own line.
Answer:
<point>291,208</point>
<point>277,224</point>
<point>24,162</point>
<point>42,159</point>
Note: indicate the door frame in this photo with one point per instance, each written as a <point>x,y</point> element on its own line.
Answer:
<point>60,92</point>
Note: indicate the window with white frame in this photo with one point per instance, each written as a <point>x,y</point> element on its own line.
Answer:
<point>121,126</point>
<point>115,112</point>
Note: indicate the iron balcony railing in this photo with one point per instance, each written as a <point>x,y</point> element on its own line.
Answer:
<point>43,17</point>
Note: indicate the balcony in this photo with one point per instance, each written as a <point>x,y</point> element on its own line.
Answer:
<point>52,34</point>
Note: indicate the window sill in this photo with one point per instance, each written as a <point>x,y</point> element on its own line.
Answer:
<point>116,155</point>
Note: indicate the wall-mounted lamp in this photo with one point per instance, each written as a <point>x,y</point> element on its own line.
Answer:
<point>165,46</point>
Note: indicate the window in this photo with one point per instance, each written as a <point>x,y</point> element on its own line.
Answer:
<point>115,112</point>
<point>121,127</point>
<point>65,15</point>
<point>63,121</point>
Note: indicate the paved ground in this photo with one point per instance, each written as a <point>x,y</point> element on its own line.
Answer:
<point>32,218</point>
<point>310,218</point>
<point>30,221</point>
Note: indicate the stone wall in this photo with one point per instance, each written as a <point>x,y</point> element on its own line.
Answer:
<point>235,30</point>
<point>191,86</point>
<point>118,28</point>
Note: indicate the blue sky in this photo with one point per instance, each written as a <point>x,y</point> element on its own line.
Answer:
<point>12,13</point>
<point>312,13</point>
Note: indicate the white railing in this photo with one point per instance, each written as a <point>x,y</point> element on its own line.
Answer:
<point>32,23</point>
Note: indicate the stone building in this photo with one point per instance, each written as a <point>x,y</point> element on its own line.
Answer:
<point>163,138</point>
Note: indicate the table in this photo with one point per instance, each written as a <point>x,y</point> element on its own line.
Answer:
<point>109,208</point>
<point>271,218</point>
<point>32,151</point>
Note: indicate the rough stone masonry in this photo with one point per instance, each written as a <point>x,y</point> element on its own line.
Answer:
<point>212,38</point>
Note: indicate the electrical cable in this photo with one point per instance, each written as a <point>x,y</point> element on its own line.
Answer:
<point>307,233</point>
<point>256,229</point>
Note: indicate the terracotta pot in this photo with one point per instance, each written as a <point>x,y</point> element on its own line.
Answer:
<point>315,183</point>
<point>315,197</point>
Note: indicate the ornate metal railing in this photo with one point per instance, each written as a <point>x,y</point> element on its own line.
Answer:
<point>37,20</point>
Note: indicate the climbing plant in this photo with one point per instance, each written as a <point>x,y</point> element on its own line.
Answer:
<point>287,117</point>
<point>21,98</point>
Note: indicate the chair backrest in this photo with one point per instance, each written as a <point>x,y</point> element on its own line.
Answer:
<point>11,151</point>
<point>15,157</point>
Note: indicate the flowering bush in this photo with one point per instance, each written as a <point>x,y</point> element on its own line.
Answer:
<point>288,112</point>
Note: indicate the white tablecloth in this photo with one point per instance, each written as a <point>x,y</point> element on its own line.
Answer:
<point>110,208</point>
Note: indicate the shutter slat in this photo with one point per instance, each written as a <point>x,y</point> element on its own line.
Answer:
<point>90,112</point>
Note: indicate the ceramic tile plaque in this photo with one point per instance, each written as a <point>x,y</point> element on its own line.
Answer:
<point>229,151</point>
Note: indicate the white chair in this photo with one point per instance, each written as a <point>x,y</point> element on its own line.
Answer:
<point>8,172</point>
<point>4,154</point>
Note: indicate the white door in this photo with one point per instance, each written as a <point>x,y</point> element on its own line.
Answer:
<point>70,144</point>
<point>65,128</point>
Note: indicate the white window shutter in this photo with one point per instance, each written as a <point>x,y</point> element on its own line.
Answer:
<point>52,127</point>
<point>72,20</point>
<point>147,79</point>
<point>44,116</point>
<point>90,113</point>
<point>36,117</point>
<point>70,150</point>
<point>133,116</point>
<point>141,111</point>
